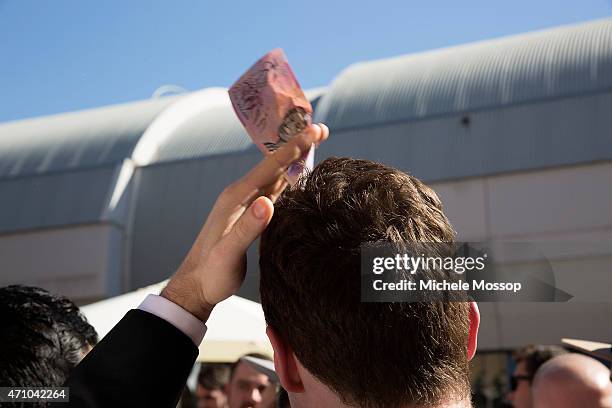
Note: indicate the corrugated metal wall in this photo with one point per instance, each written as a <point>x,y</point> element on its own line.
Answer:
<point>566,61</point>
<point>563,131</point>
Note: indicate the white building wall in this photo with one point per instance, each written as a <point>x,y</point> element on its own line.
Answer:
<point>82,262</point>
<point>567,211</point>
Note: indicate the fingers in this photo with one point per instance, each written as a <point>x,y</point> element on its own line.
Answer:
<point>239,216</point>
<point>265,179</point>
<point>246,229</point>
<point>276,190</point>
<point>324,133</point>
<point>274,165</point>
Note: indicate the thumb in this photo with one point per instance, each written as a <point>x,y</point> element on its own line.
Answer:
<point>248,227</point>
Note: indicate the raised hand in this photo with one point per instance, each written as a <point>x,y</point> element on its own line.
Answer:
<point>214,268</point>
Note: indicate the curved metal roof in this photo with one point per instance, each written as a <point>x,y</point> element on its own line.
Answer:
<point>546,64</point>
<point>215,130</point>
<point>76,167</point>
<point>75,140</point>
<point>196,124</point>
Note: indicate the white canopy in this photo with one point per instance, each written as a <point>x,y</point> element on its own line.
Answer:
<point>236,326</point>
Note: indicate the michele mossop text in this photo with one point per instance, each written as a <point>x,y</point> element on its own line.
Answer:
<point>434,271</point>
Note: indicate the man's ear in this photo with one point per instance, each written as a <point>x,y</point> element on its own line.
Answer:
<point>285,363</point>
<point>473,335</point>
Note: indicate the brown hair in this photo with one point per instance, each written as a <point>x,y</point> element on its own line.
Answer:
<point>536,355</point>
<point>214,376</point>
<point>235,365</point>
<point>370,354</point>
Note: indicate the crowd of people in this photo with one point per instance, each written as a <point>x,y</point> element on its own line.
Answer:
<point>248,382</point>
<point>330,349</point>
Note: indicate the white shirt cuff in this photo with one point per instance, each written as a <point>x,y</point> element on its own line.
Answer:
<point>161,307</point>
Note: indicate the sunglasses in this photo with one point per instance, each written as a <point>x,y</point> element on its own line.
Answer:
<point>514,380</point>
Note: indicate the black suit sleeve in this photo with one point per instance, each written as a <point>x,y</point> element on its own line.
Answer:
<point>144,361</point>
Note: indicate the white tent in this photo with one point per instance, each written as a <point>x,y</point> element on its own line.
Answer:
<point>236,326</point>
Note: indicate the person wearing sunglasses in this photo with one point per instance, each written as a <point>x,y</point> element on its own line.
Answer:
<point>528,359</point>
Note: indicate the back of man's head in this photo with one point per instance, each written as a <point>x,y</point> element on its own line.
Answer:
<point>528,361</point>
<point>43,337</point>
<point>369,354</point>
<point>572,381</point>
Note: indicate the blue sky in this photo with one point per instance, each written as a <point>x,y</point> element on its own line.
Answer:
<point>66,55</point>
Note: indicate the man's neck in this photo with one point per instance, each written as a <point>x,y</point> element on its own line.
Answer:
<point>465,403</point>
<point>317,394</point>
<point>332,401</point>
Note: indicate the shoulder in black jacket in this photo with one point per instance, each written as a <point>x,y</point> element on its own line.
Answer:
<point>144,361</point>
